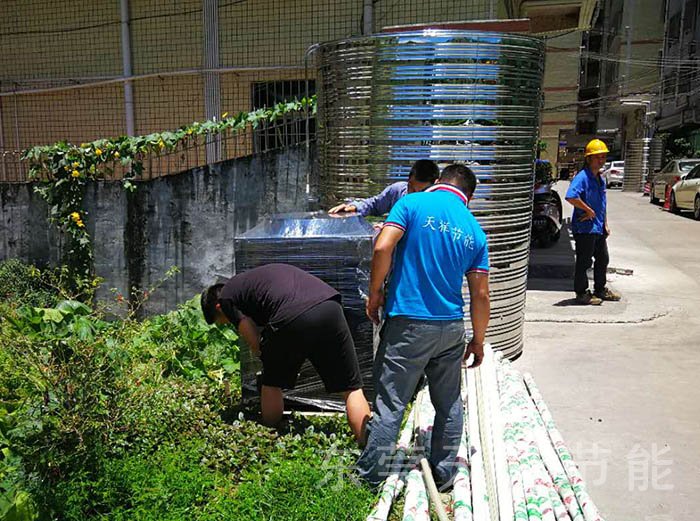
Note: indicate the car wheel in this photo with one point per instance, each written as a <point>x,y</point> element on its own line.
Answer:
<point>696,208</point>
<point>652,198</point>
<point>673,207</point>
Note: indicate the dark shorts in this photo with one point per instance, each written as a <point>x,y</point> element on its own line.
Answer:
<point>320,335</point>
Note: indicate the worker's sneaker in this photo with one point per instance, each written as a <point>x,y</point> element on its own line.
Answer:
<point>588,299</point>
<point>608,295</point>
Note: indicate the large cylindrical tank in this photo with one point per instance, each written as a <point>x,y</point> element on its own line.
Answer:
<point>657,148</point>
<point>636,164</point>
<point>450,96</point>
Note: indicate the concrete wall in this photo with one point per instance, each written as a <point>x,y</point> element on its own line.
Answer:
<point>561,84</point>
<point>187,220</point>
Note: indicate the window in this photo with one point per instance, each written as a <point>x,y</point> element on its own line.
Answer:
<point>290,131</point>
<point>686,166</point>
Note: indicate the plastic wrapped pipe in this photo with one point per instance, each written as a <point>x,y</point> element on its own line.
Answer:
<point>451,96</point>
<point>394,483</point>
<point>461,491</point>
<point>490,390</point>
<point>540,487</point>
<point>480,497</point>
<point>416,506</point>
<point>590,511</point>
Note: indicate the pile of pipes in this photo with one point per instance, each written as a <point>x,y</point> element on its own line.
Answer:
<point>512,462</point>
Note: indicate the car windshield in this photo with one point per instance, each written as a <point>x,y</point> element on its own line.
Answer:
<point>618,164</point>
<point>687,166</point>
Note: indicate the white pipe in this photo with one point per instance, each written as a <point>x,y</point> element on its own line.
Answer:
<point>461,490</point>
<point>527,474</point>
<point>480,503</point>
<point>530,446</point>
<point>394,483</point>
<point>491,394</point>
<point>416,506</point>
<point>590,512</point>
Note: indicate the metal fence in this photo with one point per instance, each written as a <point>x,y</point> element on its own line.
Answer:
<point>79,71</point>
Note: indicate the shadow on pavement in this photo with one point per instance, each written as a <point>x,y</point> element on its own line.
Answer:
<point>552,269</point>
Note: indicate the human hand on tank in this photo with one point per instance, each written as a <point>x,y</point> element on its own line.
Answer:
<point>342,208</point>
<point>477,349</point>
<point>588,214</point>
<point>374,302</point>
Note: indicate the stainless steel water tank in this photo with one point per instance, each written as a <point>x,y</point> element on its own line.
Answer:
<point>657,148</point>
<point>636,164</point>
<point>450,96</point>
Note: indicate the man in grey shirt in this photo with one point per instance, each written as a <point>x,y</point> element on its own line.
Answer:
<point>424,172</point>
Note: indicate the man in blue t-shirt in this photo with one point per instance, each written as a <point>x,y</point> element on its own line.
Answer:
<point>437,241</point>
<point>423,174</point>
<point>589,224</point>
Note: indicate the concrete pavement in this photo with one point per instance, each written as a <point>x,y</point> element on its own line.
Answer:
<point>623,380</point>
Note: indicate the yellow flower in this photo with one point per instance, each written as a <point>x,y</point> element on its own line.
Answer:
<point>98,152</point>
<point>116,155</point>
<point>224,115</point>
<point>189,131</point>
<point>161,144</point>
<point>76,164</point>
<point>75,173</point>
<point>79,223</point>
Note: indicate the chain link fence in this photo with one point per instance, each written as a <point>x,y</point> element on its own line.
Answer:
<point>80,71</point>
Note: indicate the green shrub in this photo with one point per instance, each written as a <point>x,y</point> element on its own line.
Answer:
<point>138,420</point>
<point>301,490</point>
<point>23,284</point>
<point>190,347</point>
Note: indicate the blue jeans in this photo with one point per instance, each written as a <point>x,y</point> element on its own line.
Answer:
<point>409,348</point>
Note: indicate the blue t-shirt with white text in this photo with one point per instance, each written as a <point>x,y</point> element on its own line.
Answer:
<point>442,242</point>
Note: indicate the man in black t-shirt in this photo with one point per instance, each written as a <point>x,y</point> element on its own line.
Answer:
<point>286,316</point>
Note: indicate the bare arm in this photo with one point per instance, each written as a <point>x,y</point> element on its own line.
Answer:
<point>388,238</point>
<point>480,312</point>
<point>248,331</point>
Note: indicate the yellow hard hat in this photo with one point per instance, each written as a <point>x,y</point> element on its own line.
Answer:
<point>596,146</point>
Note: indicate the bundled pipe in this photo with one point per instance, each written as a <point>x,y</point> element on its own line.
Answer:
<point>394,483</point>
<point>590,511</point>
<point>461,491</point>
<point>512,462</point>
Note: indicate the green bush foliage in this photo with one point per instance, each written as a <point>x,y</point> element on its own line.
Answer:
<point>142,420</point>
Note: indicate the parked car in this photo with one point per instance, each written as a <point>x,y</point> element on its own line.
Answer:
<point>615,174</point>
<point>669,175</point>
<point>685,194</point>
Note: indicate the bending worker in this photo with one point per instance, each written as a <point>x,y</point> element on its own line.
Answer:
<point>437,241</point>
<point>589,225</point>
<point>287,316</point>
<point>423,174</point>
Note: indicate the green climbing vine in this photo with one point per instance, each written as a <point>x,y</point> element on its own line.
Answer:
<point>63,171</point>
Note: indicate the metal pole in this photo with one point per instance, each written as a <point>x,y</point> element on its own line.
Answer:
<point>367,16</point>
<point>126,65</point>
<point>2,145</point>
<point>629,14</point>
<point>212,90</point>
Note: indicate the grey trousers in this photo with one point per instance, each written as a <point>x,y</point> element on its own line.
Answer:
<point>409,348</point>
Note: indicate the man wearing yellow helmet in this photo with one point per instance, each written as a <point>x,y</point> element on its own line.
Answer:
<point>589,225</point>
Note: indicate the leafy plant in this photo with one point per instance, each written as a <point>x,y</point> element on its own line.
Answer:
<point>65,169</point>
<point>23,284</point>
